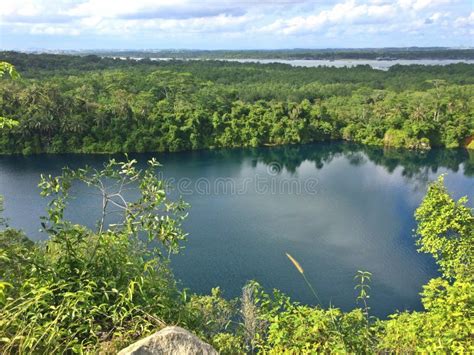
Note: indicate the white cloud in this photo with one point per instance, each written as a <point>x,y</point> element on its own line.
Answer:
<point>370,17</point>
<point>127,8</point>
<point>418,5</point>
<point>220,23</point>
<point>116,16</point>
<point>467,21</point>
<point>257,20</point>
<point>346,13</point>
<point>54,30</point>
<point>21,7</point>
<point>465,25</point>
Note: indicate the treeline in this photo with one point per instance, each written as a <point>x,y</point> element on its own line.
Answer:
<point>398,77</point>
<point>322,54</point>
<point>89,104</point>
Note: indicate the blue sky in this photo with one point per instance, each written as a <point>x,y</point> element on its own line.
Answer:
<point>225,24</point>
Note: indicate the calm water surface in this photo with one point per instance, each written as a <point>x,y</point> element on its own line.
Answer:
<point>337,208</point>
<point>338,63</point>
<point>341,63</point>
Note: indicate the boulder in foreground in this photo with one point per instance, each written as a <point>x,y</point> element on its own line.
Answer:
<point>169,340</point>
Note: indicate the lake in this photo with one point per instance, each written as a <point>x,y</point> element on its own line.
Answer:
<point>336,207</point>
<point>379,64</point>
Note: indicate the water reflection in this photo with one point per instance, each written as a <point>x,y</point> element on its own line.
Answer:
<point>414,165</point>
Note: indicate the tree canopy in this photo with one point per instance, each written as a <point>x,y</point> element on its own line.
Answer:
<point>92,104</point>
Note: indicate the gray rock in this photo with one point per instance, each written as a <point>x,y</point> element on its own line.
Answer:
<point>170,340</point>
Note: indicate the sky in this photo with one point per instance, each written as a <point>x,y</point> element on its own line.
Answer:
<point>225,24</point>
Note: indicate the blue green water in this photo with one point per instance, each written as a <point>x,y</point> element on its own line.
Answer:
<point>337,208</point>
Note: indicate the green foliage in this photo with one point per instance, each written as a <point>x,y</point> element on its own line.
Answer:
<point>363,278</point>
<point>445,327</point>
<point>8,69</point>
<point>228,344</point>
<point>311,330</point>
<point>89,104</point>
<point>7,123</point>
<point>210,314</point>
<point>85,287</point>
<point>401,139</point>
<point>446,230</point>
<point>11,71</point>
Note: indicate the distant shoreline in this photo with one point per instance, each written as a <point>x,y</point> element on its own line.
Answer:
<point>388,54</point>
<point>380,64</point>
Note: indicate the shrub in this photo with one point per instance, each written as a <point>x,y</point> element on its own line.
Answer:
<point>84,287</point>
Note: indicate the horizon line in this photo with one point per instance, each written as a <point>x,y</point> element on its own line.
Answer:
<point>236,50</point>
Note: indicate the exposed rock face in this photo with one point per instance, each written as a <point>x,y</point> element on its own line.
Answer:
<point>469,143</point>
<point>170,340</point>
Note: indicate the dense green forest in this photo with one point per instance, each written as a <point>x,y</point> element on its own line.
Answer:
<point>96,290</point>
<point>90,104</point>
